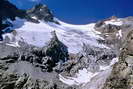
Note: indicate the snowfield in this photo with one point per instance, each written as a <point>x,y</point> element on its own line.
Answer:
<point>73,36</point>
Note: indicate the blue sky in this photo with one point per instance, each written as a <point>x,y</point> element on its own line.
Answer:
<point>82,11</point>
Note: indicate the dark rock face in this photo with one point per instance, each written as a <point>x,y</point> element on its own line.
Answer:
<point>9,10</point>
<point>110,28</point>
<point>99,24</point>
<point>13,81</point>
<point>41,12</point>
<point>56,49</point>
<point>102,22</point>
<point>112,35</point>
<point>7,81</point>
<point>121,76</point>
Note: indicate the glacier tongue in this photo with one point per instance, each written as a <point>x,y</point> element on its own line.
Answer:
<point>84,76</point>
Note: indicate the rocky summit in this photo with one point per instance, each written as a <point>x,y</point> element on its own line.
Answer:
<point>38,51</point>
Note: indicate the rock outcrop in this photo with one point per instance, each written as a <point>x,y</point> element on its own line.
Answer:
<point>40,59</point>
<point>41,12</point>
<point>90,58</point>
<point>8,11</point>
<point>122,73</point>
<point>45,57</point>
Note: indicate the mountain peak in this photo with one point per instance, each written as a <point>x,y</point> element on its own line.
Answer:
<point>41,12</point>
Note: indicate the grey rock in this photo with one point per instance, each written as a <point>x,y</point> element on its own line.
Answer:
<point>56,49</point>
<point>121,76</point>
<point>21,81</point>
<point>41,12</point>
<point>99,24</point>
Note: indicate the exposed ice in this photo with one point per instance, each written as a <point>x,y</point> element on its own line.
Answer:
<point>84,76</point>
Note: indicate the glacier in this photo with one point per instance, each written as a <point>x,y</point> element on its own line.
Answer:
<point>73,36</point>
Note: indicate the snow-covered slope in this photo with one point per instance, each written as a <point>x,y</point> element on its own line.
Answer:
<point>73,36</point>
<point>117,22</point>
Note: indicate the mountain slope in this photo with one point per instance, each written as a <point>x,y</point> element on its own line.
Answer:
<point>73,36</point>
<point>41,52</point>
<point>39,34</point>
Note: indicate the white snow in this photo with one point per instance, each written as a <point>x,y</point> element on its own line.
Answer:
<point>120,33</point>
<point>13,44</point>
<point>98,81</point>
<point>117,22</point>
<point>34,17</point>
<point>113,61</point>
<point>82,77</point>
<point>73,36</point>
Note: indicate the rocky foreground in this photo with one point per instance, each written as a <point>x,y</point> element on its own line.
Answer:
<point>94,56</point>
